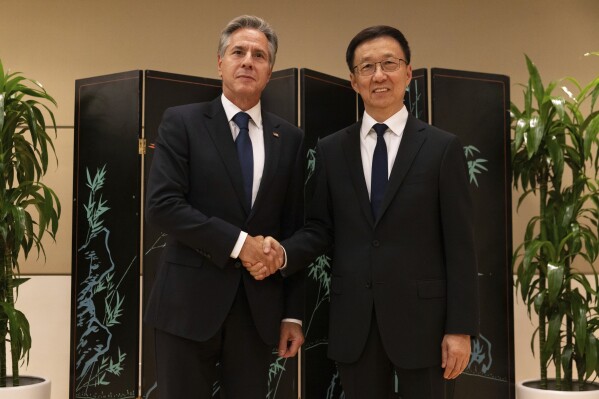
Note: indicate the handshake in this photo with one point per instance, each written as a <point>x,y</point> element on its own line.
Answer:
<point>262,256</point>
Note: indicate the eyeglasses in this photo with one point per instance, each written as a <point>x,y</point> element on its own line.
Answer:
<point>369,68</point>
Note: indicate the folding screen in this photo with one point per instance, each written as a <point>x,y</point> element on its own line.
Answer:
<point>105,285</point>
<point>105,255</point>
<point>475,106</point>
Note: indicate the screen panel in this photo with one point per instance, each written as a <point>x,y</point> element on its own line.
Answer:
<point>416,98</point>
<point>105,257</point>
<point>328,105</point>
<point>280,95</point>
<point>475,106</point>
<point>163,90</point>
<point>280,98</point>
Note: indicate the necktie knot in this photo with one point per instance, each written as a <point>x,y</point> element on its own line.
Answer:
<point>380,129</point>
<point>242,120</point>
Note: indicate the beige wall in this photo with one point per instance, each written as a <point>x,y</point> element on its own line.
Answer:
<point>59,41</point>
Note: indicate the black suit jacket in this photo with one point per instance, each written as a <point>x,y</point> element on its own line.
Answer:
<point>414,266</point>
<point>195,195</point>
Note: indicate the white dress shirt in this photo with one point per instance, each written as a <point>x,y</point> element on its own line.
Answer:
<point>257,138</point>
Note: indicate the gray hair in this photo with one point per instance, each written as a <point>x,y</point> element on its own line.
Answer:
<point>250,22</point>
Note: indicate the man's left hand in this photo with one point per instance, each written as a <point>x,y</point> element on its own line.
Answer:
<point>455,354</point>
<point>292,337</point>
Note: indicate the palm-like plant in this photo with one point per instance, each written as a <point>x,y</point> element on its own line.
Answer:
<point>24,149</point>
<point>556,136</point>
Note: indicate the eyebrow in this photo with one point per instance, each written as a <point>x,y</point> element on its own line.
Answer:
<point>384,56</point>
<point>247,48</point>
<point>239,47</point>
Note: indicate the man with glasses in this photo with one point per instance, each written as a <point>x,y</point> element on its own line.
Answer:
<point>391,197</point>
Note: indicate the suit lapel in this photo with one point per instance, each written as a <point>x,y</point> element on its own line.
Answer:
<point>272,152</point>
<point>411,142</point>
<point>351,149</point>
<point>218,128</point>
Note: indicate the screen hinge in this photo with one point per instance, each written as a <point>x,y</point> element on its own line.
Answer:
<point>142,147</point>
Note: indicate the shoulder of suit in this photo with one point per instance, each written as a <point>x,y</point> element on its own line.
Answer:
<point>276,120</point>
<point>342,134</point>
<point>189,108</point>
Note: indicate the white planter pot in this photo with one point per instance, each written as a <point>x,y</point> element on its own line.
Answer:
<point>37,388</point>
<point>524,392</point>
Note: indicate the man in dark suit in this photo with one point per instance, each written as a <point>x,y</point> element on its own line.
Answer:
<point>391,197</point>
<point>224,172</point>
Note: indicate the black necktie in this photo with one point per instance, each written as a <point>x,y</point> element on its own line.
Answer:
<point>379,179</point>
<point>246,155</point>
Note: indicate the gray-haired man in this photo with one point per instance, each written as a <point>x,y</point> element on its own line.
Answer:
<point>220,180</point>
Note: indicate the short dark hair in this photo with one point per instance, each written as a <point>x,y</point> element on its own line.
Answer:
<point>250,22</point>
<point>375,32</point>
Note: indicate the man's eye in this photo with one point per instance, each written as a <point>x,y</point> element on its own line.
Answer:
<point>366,67</point>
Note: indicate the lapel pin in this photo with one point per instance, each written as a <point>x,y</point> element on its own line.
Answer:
<point>276,134</point>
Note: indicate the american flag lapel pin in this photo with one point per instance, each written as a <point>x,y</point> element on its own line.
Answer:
<point>276,134</point>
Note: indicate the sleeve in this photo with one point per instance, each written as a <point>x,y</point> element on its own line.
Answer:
<point>167,208</point>
<point>293,219</point>
<point>317,234</point>
<point>458,235</point>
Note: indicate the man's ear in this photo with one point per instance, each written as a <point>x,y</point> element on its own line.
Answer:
<point>218,62</point>
<point>354,85</point>
<point>408,75</point>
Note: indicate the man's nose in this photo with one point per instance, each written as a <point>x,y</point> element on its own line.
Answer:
<point>248,60</point>
<point>379,74</point>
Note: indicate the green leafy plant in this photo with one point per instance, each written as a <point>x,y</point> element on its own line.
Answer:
<point>28,208</point>
<point>555,157</point>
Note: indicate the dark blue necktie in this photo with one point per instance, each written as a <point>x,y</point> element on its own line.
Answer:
<point>378,182</point>
<point>245,153</point>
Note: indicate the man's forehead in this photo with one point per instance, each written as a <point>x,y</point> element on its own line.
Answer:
<point>377,54</point>
<point>244,38</point>
<point>383,46</point>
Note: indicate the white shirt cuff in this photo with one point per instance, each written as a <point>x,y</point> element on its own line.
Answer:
<point>296,321</point>
<point>285,260</point>
<point>238,245</point>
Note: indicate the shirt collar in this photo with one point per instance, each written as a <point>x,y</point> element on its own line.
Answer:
<point>396,123</point>
<point>231,110</point>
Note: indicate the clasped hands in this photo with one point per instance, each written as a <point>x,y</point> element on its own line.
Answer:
<point>261,256</point>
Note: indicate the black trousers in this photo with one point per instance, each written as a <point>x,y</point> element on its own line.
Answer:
<point>188,369</point>
<point>371,377</point>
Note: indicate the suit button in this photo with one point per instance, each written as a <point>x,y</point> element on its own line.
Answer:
<point>237,264</point>
<point>376,243</point>
<point>368,285</point>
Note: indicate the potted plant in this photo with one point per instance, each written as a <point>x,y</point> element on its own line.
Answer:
<point>555,157</point>
<point>28,210</point>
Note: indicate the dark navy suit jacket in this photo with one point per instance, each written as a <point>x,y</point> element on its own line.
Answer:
<point>195,195</point>
<point>414,266</point>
